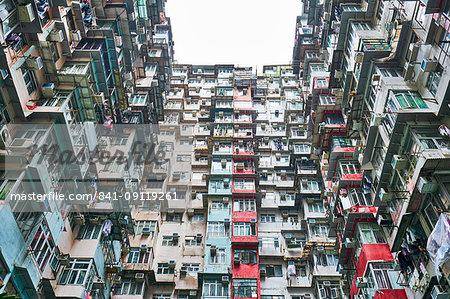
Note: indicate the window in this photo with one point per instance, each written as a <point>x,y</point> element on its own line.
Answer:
<point>244,229</point>
<point>219,257</point>
<point>183,158</point>
<point>410,100</point>
<point>216,229</point>
<point>245,256</point>
<point>161,296</point>
<point>320,230</point>
<point>42,246</point>
<point>198,217</point>
<point>145,226</point>
<point>214,288</point>
<point>192,268</point>
<point>30,80</point>
<point>322,83</point>
<point>267,218</point>
<point>272,270</point>
<point>380,272</point>
<point>174,217</point>
<point>245,288</point>
<point>163,268</point>
<point>76,272</point>
<point>217,205</point>
<point>434,79</point>
<point>370,233</point>
<point>315,207</point>
<point>129,287</point>
<point>323,259</point>
<point>192,241</point>
<point>244,184</point>
<point>169,241</point>
<point>268,242</point>
<point>312,186</point>
<point>137,256</point>
<point>244,205</point>
<point>89,231</point>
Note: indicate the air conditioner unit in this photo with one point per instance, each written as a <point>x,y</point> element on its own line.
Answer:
<point>438,292</point>
<point>143,247</point>
<point>320,248</point>
<point>223,163</point>
<point>225,199</point>
<point>357,125</point>
<point>190,212</point>
<point>140,29</point>
<point>227,220</point>
<point>285,214</point>
<point>176,176</point>
<point>338,74</point>
<point>183,270</point>
<point>398,162</point>
<point>171,264</point>
<point>98,283</point>
<point>312,221</point>
<point>361,282</point>
<point>56,36</point>
<point>350,243</point>
<point>383,220</point>
<point>327,283</point>
<point>47,90</point>
<point>118,40</point>
<point>26,13</point>
<point>199,236</point>
<point>64,259</point>
<point>376,77</point>
<point>35,62</point>
<point>193,294</point>
<point>413,51</point>
<point>225,279</point>
<point>76,35</point>
<point>288,236</point>
<point>429,65</point>
<point>377,119</point>
<point>359,57</point>
<point>426,185</point>
<point>175,235</point>
<point>262,272</point>
<point>145,231</point>
<point>139,277</point>
<point>304,181</point>
<point>385,196</point>
<point>408,71</point>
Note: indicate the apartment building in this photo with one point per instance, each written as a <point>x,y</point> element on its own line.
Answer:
<point>323,178</point>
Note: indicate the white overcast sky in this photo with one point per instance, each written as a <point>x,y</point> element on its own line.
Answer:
<point>240,32</point>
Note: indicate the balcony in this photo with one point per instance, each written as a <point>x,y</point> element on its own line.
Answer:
<point>310,187</point>
<point>224,104</point>
<point>224,92</point>
<point>333,120</point>
<point>222,117</point>
<point>278,144</point>
<point>266,179</point>
<point>277,199</point>
<point>284,179</point>
<point>202,130</point>
<point>219,186</point>
<point>244,185</point>
<point>243,132</point>
<point>243,166</point>
<point>223,131</point>
<point>221,166</point>
<point>243,147</point>
<point>281,160</point>
<point>349,171</point>
<point>243,105</point>
<point>222,148</point>
<point>243,118</point>
<point>200,144</point>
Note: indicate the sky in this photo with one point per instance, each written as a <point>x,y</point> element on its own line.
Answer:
<point>240,32</point>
